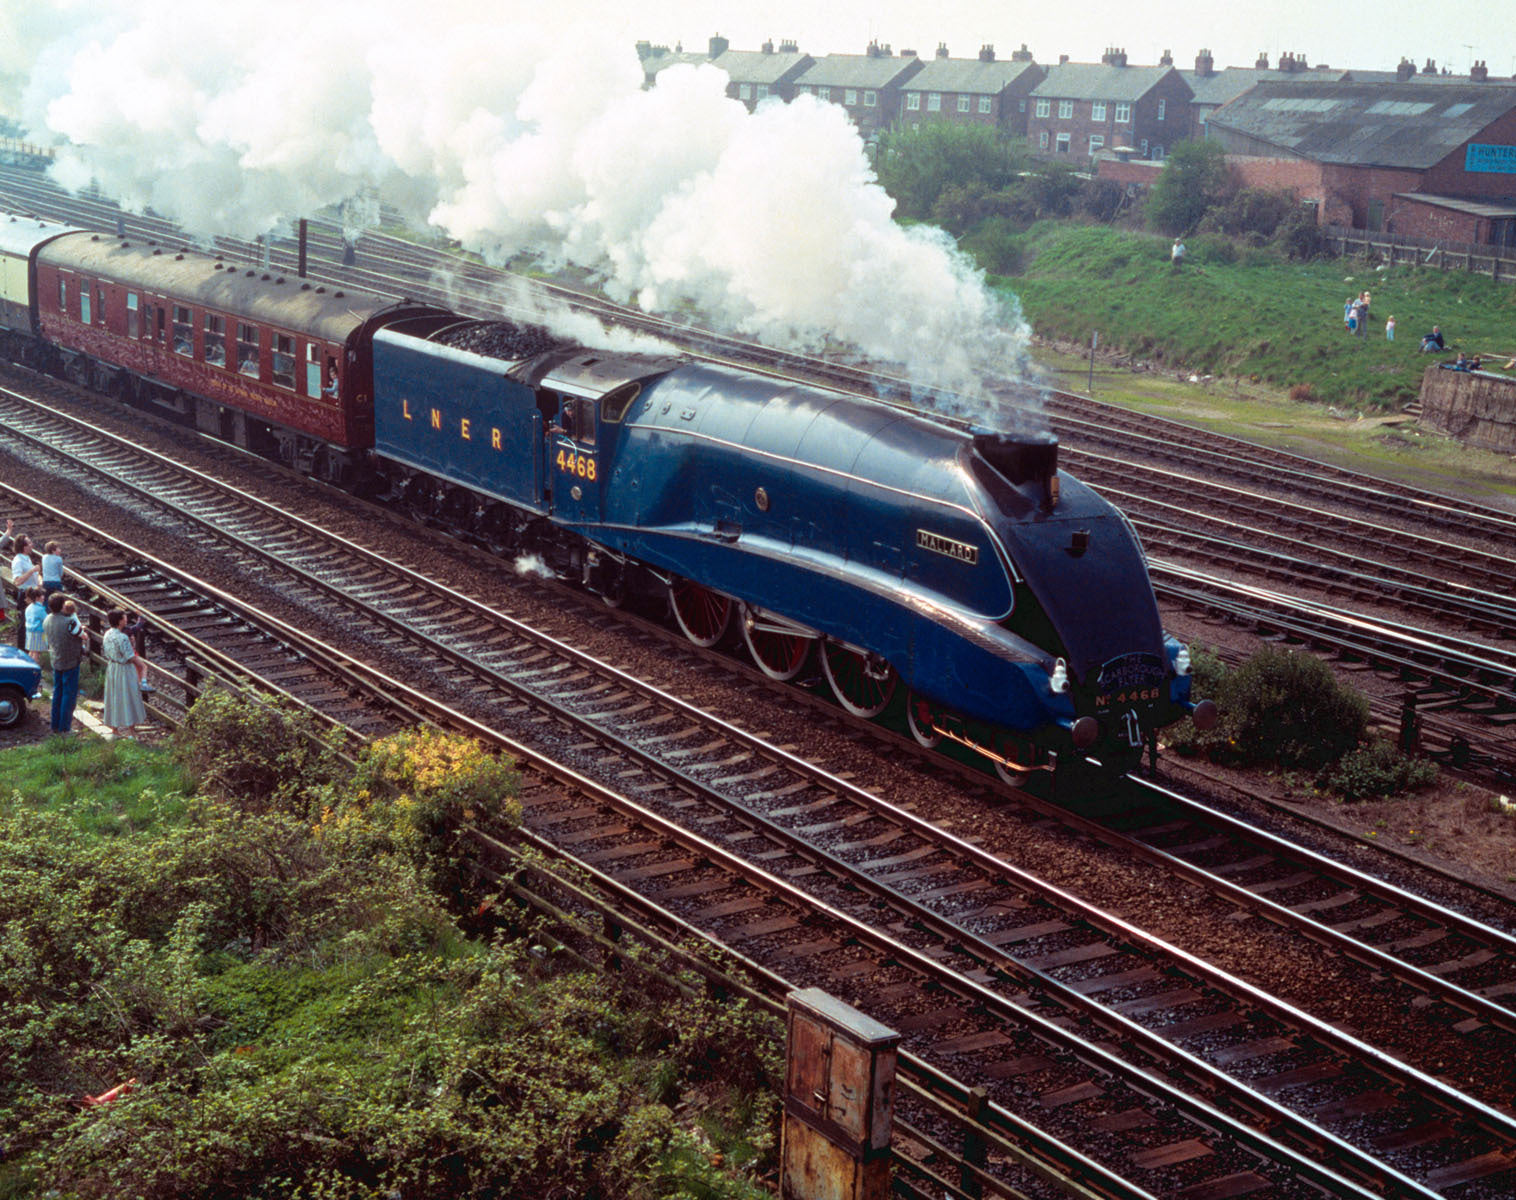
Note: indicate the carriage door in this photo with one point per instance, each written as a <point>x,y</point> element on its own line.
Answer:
<point>574,461</point>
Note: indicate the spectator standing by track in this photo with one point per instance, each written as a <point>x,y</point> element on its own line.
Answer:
<point>52,569</point>
<point>24,574</point>
<point>123,695</point>
<point>65,647</point>
<point>34,614</point>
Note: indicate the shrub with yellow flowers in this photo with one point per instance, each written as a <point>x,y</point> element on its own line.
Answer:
<point>412,791</point>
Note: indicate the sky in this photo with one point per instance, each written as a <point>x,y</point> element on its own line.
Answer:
<point>1371,35</point>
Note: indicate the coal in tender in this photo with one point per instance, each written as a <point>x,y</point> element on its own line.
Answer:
<point>498,339</point>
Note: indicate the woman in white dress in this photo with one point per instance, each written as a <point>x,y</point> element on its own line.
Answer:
<point>123,697</point>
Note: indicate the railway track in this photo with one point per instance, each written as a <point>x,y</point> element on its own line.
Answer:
<point>573,707</point>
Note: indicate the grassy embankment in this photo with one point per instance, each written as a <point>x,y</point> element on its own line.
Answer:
<point>280,973</point>
<point>1253,329</point>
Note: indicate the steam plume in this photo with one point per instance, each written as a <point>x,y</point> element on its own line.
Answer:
<point>512,131</point>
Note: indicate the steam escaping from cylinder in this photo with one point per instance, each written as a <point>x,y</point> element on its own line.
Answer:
<point>516,131</point>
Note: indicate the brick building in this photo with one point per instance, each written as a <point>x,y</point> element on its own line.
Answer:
<point>982,91</point>
<point>1080,109</point>
<point>867,85</point>
<point>1400,157</point>
<point>758,74</point>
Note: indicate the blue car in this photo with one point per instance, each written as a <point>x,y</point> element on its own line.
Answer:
<point>20,681</point>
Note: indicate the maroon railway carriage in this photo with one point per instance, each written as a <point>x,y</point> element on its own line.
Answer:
<point>276,364</point>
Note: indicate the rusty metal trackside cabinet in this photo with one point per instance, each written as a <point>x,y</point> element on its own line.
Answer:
<point>838,1102</point>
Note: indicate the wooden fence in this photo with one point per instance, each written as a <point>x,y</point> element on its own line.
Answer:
<point>1498,262</point>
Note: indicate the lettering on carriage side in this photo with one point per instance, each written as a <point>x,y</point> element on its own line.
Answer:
<point>405,408</point>
<point>436,418</point>
<point>494,438</point>
<point>961,551</point>
<point>463,430</point>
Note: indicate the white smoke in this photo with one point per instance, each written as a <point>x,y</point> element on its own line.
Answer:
<point>512,130</point>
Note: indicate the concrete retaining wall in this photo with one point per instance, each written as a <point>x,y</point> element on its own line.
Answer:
<point>1476,407</point>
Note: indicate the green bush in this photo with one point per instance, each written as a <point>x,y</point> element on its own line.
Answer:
<point>1288,709</point>
<point>259,755</point>
<point>1378,768</point>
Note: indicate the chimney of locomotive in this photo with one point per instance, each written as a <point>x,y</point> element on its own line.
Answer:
<point>1027,460</point>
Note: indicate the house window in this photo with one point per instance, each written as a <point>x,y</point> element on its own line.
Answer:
<point>1043,107</point>
<point>823,93</point>
<point>850,97</point>
<point>913,101</point>
<point>247,349</point>
<point>215,340</point>
<point>761,91</point>
<point>934,102</point>
<point>1063,143</point>
<point>870,99</point>
<point>984,104</point>
<point>1161,105</point>
<point>1097,140</point>
<point>744,91</point>
<point>1065,109</point>
<point>1042,141</point>
<point>1123,114</point>
<point>284,361</point>
<point>133,319</point>
<point>184,331</point>
<point>1021,106</point>
<point>1097,110</point>
<point>1157,152</point>
<point>963,104</point>
<point>1144,147</point>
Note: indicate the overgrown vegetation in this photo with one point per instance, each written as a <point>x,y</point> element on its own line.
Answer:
<point>1286,710</point>
<point>296,1009</point>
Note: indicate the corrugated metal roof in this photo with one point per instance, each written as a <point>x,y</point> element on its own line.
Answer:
<point>859,70</point>
<point>1099,81</point>
<point>229,288</point>
<point>1366,124</point>
<point>967,75</point>
<point>1474,207</point>
<point>753,66</point>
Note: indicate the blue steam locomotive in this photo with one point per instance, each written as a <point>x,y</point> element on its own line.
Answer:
<point>1008,604</point>
<point>910,558</point>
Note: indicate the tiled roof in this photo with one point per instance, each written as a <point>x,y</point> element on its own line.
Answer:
<point>754,66</point>
<point>968,75</point>
<point>1099,81</point>
<point>858,70</point>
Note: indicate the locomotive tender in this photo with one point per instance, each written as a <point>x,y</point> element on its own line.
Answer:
<point>905,554</point>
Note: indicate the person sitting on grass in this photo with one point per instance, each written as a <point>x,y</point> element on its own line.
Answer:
<point>1432,341</point>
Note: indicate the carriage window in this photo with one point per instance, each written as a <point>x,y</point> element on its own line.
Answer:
<point>100,304</point>
<point>284,361</point>
<point>84,302</point>
<point>215,340</point>
<point>133,318</point>
<point>312,369</point>
<point>247,349</point>
<point>62,294</point>
<point>184,331</point>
